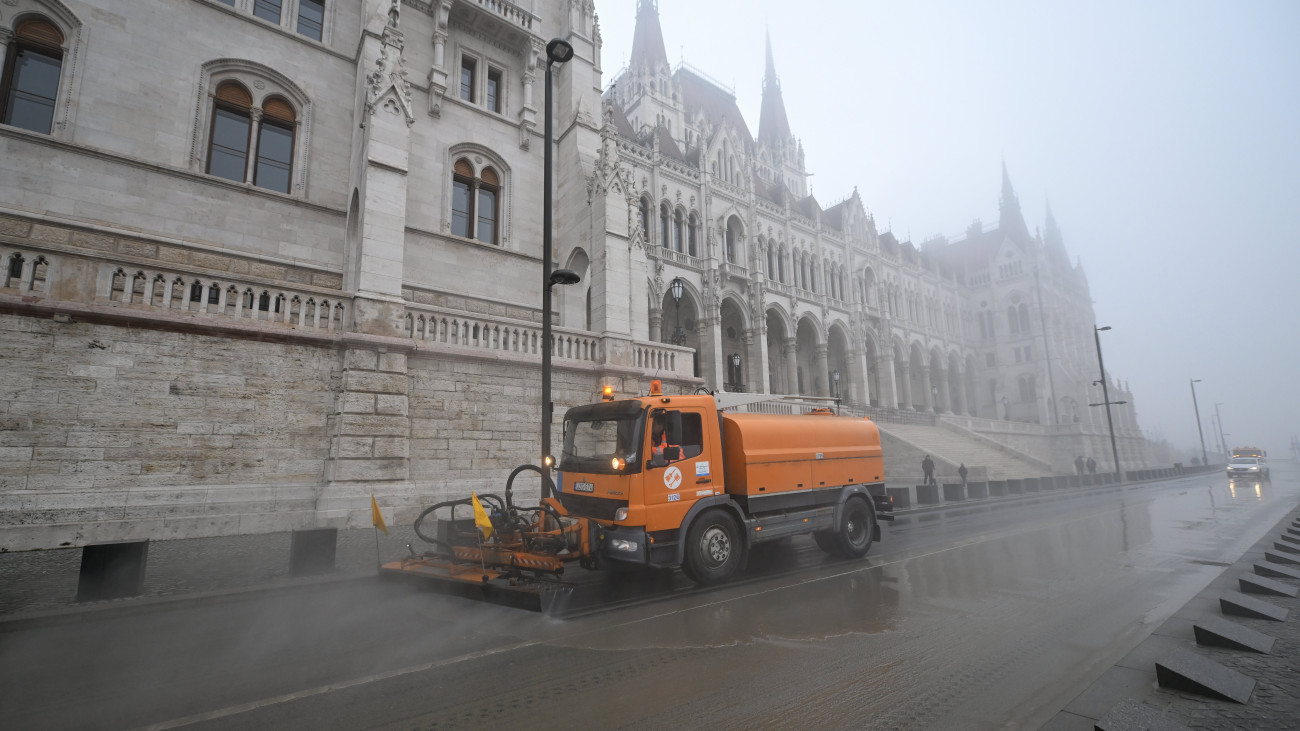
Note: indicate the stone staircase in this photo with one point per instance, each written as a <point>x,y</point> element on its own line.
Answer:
<point>906,444</point>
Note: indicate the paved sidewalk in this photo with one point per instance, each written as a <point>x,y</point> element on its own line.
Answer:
<point>1132,686</point>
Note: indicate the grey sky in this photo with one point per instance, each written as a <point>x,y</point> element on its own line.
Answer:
<point>1165,135</point>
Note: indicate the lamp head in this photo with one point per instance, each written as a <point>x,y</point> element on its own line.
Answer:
<point>676,289</point>
<point>735,359</point>
<point>559,50</point>
<point>565,276</point>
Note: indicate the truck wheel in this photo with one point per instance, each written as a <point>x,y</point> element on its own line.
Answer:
<point>852,538</point>
<point>714,552</point>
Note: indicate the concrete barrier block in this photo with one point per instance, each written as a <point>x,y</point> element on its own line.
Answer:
<point>977,490</point>
<point>1016,487</point>
<point>953,492</point>
<point>1032,484</point>
<point>997,488</point>
<point>927,494</point>
<point>902,497</point>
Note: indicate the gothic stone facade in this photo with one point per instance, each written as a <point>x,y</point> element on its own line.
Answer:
<point>264,260</point>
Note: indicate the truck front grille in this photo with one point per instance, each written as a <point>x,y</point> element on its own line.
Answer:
<point>587,506</point>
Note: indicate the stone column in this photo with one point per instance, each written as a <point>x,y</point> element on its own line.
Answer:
<point>821,376</point>
<point>375,272</point>
<point>761,366</point>
<point>961,394</point>
<point>945,395</point>
<point>888,396</point>
<point>791,352</point>
<point>656,325</point>
<point>907,385</point>
<point>927,398</point>
<point>859,390</point>
<point>752,363</point>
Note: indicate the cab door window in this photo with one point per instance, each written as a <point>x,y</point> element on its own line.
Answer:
<point>690,440</point>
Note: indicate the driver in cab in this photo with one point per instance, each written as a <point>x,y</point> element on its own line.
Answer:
<point>663,451</point>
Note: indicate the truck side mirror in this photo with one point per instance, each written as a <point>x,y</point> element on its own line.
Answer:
<point>657,460</point>
<point>672,454</point>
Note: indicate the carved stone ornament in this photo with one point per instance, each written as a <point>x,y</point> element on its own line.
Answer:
<point>390,73</point>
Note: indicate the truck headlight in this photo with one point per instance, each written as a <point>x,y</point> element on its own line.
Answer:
<point>620,514</point>
<point>618,544</point>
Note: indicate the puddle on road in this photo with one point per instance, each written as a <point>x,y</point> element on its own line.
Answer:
<point>860,602</point>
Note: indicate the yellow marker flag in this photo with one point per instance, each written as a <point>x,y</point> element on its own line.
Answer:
<point>481,517</point>
<point>376,517</point>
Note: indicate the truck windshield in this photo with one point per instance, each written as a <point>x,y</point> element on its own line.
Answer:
<point>597,433</point>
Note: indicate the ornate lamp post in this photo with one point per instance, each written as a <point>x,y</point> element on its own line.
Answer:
<point>835,378</point>
<point>679,335</point>
<point>557,51</point>
<point>736,385</point>
<point>1105,401</point>
<point>1199,432</point>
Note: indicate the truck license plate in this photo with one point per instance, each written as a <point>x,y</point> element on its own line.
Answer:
<point>584,487</point>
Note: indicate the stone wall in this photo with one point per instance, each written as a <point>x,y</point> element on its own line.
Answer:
<point>111,430</point>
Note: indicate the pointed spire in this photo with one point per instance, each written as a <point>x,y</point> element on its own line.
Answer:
<point>773,125</point>
<point>1052,236</point>
<point>1010,220</point>
<point>648,39</point>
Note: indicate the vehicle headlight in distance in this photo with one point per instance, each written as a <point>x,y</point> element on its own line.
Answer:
<point>619,544</point>
<point>620,514</point>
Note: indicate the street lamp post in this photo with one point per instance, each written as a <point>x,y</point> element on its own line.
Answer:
<point>736,385</point>
<point>1223,442</point>
<point>1204,459</point>
<point>1105,399</point>
<point>557,51</point>
<point>679,335</point>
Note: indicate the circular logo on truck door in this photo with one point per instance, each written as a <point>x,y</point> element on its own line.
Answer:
<point>673,478</point>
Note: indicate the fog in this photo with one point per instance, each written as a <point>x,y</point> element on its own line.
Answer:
<point>1162,133</point>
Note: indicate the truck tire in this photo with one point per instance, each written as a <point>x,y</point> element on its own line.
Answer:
<point>714,548</point>
<point>852,537</point>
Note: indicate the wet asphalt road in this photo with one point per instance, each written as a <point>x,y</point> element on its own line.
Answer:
<point>976,617</point>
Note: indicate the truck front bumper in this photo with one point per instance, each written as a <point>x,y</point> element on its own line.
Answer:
<point>620,543</point>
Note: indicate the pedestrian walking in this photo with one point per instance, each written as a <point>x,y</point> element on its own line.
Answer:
<point>1078,465</point>
<point>927,467</point>
<point>1092,466</point>
<point>961,472</point>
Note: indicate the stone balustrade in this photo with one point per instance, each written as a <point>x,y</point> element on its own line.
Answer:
<point>442,327</point>
<point>172,290</point>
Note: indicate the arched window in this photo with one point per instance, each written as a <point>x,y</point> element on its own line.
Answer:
<point>231,121</point>
<point>678,224</point>
<point>488,201</point>
<point>692,228</point>
<point>30,84</point>
<point>236,125</point>
<point>1023,310</point>
<point>475,202</point>
<point>645,217</point>
<point>665,230</point>
<point>1012,320</point>
<point>275,146</point>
